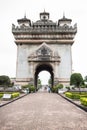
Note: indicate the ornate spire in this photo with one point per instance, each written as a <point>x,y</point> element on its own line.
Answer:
<point>63,14</point>
<point>25,15</point>
<point>44,10</point>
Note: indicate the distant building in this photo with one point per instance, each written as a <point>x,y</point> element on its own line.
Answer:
<point>44,45</point>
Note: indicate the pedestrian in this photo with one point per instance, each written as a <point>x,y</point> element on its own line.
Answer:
<point>49,89</point>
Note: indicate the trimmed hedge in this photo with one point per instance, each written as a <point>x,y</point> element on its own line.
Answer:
<point>1,95</point>
<point>55,89</point>
<point>83,101</point>
<point>14,95</point>
<point>72,95</point>
<point>31,88</point>
<point>82,97</point>
<point>75,95</point>
<point>69,95</point>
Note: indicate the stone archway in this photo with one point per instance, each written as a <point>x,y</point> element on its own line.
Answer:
<point>44,58</point>
<point>42,67</point>
<point>44,41</point>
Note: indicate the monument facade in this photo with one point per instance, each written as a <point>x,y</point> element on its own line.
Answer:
<point>44,45</point>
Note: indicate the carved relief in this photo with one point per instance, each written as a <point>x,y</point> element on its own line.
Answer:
<point>44,53</point>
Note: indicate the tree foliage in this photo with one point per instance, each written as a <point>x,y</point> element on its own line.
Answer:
<point>85,79</point>
<point>60,86</point>
<point>5,80</point>
<point>39,82</point>
<point>76,79</point>
<point>50,81</point>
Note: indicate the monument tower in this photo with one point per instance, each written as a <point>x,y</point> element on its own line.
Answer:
<point>44,45</point>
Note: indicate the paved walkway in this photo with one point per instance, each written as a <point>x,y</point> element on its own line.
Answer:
<point>42,111</point>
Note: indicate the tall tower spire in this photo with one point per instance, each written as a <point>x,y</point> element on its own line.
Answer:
<point>25,15</point>
<point>63,14</point>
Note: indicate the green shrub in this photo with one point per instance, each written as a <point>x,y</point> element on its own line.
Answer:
<point>83,101</point>
<point>60,86</point>
<point>68,88</point>
<point>72,95</point>
<point>69,95</point>
<point>4,80</point>
<point>82,96</point>
<point>79,95</point>
<point>31,89</point>
<point>25,86</point>
<point>76,96</point>
<point>1,95</point>
<point>54,89</point>
<point>73,88</point>
<point>14,95</point>
<point>1,92</point>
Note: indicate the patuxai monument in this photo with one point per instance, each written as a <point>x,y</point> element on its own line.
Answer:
<point>44,45</point>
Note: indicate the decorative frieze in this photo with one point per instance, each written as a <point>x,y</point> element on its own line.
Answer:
<point>41,29</point>
<point>44,29</point>
<point>44,36</point>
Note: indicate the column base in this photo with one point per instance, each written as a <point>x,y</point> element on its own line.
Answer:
<point>24,81</point>
<point>63,81</point>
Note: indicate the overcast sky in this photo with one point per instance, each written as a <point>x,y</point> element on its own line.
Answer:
<point>11,10</point>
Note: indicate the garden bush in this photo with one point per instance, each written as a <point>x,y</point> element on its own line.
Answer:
<point>82,96</point>
<point>72,95</point>
<point>31,89</point>
<point>69,95</point>
<point>14,95</point>
<point>54,89</point>
<point>68,88</point>
<point>1,95</point>
<point>60,86</point>
<point>25,86</point>
<point>83,101</point>
<point>75,95</point>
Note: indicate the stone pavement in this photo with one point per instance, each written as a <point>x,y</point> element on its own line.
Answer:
<point>42,111</point>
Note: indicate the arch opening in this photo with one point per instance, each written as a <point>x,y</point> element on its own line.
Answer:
<point>41,68</point>
<point>44,77</point>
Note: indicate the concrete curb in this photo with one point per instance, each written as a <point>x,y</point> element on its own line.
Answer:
<point>12,100</point>
<point>80,106</point>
